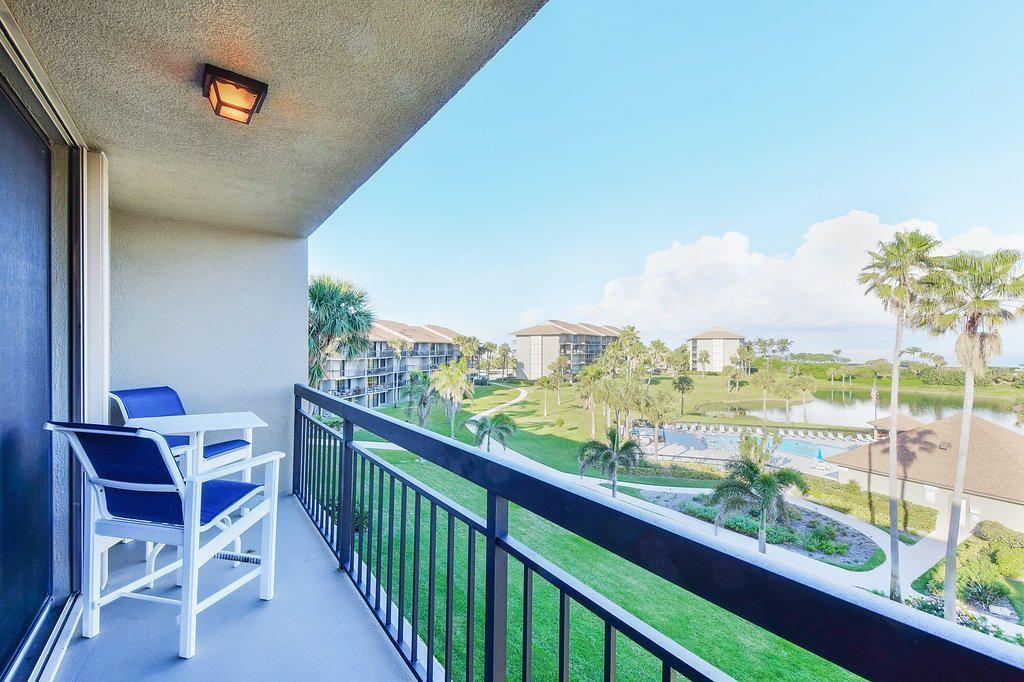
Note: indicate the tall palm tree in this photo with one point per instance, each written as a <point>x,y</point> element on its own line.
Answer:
<point>340,319</point>
<point>765,380</point>
<point>452,384</point>
<point>682,383</point>
<point>972,294</point>
<point>787,390</point>
<point>469,347</point>
<point>420,397</point>
<point>833,372</point>
<point>893,274</point>
<point>504,355</point>
<point>703,358</point>
<point>588,387</point>
<point>545,385</point>
<point>733,376</point>
<point>805,385</point>
<point>557,370</point>
<point>400,347</point>
<point>679,359</point>
<point>659,354</point>
<point>488,348</point>
<point>501,427</point>
<point>610,457</point>
<point>658,409</point>
<point>751,486</point>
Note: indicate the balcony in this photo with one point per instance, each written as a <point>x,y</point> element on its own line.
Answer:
<point>316,626</point>
<point>426,567</point>
<point>376,371</point>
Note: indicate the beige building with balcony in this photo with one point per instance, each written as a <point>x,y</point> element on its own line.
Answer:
<point>539,345</point>
<point>375,377</point>
<point>720,344</point>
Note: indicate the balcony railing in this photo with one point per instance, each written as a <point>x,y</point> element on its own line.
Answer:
<point>370,513</point>
<point>374,371</point>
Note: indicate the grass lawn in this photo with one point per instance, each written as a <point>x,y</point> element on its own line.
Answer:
<point>739,648</point>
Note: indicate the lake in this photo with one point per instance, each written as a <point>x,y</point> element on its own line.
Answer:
<point>854,408</point>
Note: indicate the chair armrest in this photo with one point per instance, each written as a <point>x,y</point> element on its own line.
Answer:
<point>234,468</point>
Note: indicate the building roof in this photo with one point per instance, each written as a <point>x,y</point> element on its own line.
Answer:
<point>906,422</point>
<point>388,330</point>
<point>717,333</point>
<point>927,454</point>
<point>350,83</point>
<point>559,327</point>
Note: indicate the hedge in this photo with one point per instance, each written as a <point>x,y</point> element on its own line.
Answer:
<point>695,472</point>
<point>998,534</point>
<point>1010,561</point>
<point>740,523</point>
<point>848,498</point>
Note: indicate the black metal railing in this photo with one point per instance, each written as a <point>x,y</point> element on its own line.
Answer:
<point>416,558</point>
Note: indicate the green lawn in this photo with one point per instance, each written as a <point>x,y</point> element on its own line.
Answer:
<point>739,648</point>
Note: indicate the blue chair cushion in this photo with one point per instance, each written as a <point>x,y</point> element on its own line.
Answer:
<point>155,401</point>
<point>211,450</point>
<point>217,496</point>
<point>214,449</point>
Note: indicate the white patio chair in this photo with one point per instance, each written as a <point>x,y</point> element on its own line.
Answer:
<point>135,490</point>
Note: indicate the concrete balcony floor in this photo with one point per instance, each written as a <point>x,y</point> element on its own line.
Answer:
<point>316,627</point>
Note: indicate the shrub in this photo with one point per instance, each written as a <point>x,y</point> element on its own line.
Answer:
<point>998,534</point>
<point>936,607</point>
<point>740,523</point>
<point>848,498</point>
<point>560,422</point>
<point>823,539</point>
<point>985,593</point>
<point>1010,561</point>
<point>700,511</point>
<point>696,472</point>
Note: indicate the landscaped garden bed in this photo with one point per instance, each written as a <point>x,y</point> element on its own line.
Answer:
<point>916,520</point>
<point>810,533</point>
<point>990,573</point>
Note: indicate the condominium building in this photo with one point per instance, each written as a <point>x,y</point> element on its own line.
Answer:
<point>375,377</point>
<point>539,345</point>
<point>720,344</point>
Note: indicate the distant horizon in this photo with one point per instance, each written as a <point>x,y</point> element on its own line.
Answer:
<point>704,173</point>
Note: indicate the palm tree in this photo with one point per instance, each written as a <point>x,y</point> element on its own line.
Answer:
<point>703,358</point>
<point>973,294</point>
<point>588,387</point>
<point>838,353</point>
<point>501,427</point>
<point>1018,410</point>
<point>469,347</point>
<point>488,348</point>
<point>420,397</point>
<point>679,359</point>
<point>658,410</point>
<point>765,380</point>
<point>400,347</point>
<point>734,376</point>
<point>894,275</point>
<point>805,385</point>
<point>787,390</point>
<point>833,372</point>
<point>557,370</point>
<point>451,383</point>
<point>610,457</point>
<point>682,383</point>
<point>659,354</point>
<point>546,385</point>
<point>504,355</point>
<point>339,321</point>
<point>751,486</point>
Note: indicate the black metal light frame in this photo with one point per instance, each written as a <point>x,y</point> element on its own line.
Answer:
<point>211,72</point>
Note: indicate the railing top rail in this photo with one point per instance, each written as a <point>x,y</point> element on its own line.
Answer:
<point>853,628</point>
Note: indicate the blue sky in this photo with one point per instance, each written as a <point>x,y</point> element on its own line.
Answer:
<point>578,173</point>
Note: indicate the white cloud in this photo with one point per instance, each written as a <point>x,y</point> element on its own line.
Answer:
<point>530,316</point>
<point>811,292</point>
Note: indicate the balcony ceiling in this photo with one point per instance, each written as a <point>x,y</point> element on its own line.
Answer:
<point>350,82</point>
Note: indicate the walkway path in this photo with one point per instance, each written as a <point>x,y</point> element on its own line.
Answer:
<point>914,559</point>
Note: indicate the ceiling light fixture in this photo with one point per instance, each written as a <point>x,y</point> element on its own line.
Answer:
<point>232,95</point>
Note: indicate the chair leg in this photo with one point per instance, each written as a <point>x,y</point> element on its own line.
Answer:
<point>177,574</point>
<point>247,473</point>
<point>91,569</point>
<point>190,573</point>
<point>268,539</point>
<point>152,551</point>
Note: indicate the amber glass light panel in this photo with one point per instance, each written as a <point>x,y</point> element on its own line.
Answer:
<point>233,96</point>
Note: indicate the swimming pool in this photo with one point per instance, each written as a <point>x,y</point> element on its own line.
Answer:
<point>731,442</point>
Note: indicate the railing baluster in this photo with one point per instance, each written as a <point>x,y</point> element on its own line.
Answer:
<point>563,636</point>
<point>391,545</point>
<point>297,420</point>
<point>496,591</point>
<point>470,602</point>
<point>609,652</point>
<point>344,484</point>
<point>380,540</point>
<point>368,530</point>
<point>401,567</point>
<point>667,674</point>
<point>449,593</point>
<point>527,623</point>
<point>361,516</point>
<point>417,502</point>
<point>431,591</point>
<point>321,503</point>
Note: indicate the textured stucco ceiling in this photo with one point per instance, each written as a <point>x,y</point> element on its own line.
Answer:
<point>350,82</point>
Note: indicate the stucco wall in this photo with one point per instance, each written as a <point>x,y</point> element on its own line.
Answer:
<point>218,314</point>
